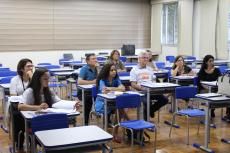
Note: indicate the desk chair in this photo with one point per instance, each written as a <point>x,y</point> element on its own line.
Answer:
<point>6,80</point>
<point>160,65</point>
<point>185,92</point>
<point>123,59</point>
<point>7,73</point>
<point>44,64</point>
<point>47,122</point>
<point>133,101</point>
<point>170,58</point>
<point>4,69</point>
<point>123,73</point>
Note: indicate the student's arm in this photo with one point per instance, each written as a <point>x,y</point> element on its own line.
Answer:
<point>174,71</point>
<point>119,88</point>
<point>26,107</point>
<point>82,81</point>
<point>13,84</point>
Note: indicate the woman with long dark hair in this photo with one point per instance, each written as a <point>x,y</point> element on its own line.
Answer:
<point>38,95</point>
<point>180,68</point>
<point>108,81</point>
<point>208,72</point>
<point>115,60</point>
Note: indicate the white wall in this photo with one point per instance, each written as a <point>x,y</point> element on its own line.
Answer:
<point>10,59</point>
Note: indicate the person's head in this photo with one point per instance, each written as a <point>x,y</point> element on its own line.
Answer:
<point>179,61</point>
<point>24,65</point>
<point>208,61</point>
<point>115,55</point>
<point>150,55</point>
<point>143,58</point>
<point>40,84</point>
<point>108,70</point>
<point>91,59</point>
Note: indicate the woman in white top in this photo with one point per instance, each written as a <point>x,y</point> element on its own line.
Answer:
<point>20,82</point>
<point>38,95</point>
<point>18,85</point>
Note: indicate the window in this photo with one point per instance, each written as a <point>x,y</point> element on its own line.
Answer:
<point>169,24</point>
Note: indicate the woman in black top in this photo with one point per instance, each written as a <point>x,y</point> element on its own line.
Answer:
<point>180,68</point>
<point>208,72</point>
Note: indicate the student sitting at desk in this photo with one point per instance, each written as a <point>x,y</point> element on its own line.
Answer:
<point>180,68</point>
<point>115,60</point>
<point>151,63</point>
<point>108,81</point>
<point>88,75</point>
<point>18,85</point>
<point>208,72</point>
<point>38,95</point>
<point>20,82</point>
<point>143,73</point>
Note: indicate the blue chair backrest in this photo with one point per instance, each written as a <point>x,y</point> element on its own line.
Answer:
<point>94,91</point>
<point>123,73</point>
<point>160,65</point>
<point>128,101</point>
<point>223,68</point>
<point>7,73</point>
<point>185,92</point>
<point>171,59</point>
<point>49,121</point>
<point>123,59</point>
<point>52,66</point>
<point>6,80</point>
<point>190,58</point>
<point>44,64</point>
<point>4,69</point>
<point>99,58</point>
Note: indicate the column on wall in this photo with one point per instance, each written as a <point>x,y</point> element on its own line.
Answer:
<point>185,13</point>
<point>156,27</point>
<point>222,30</point>
<point>208,9</point>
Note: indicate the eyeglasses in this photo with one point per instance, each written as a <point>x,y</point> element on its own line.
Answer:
<point>29,65</point>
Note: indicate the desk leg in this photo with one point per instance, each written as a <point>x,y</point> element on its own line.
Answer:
<point>26,136</point>
<point>174,109</point>
<point>148,104</point>
<point>207,133</point>
<point>83,107</point>
<point>105,116</point>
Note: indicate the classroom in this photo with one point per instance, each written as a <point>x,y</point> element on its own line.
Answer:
<point>114,76</point>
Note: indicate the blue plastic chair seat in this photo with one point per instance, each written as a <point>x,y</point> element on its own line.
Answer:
<point>137,124</point>
<point>57,85</point>
<point>191,112</point>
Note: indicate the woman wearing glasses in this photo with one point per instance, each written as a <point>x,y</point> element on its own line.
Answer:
<point>38,95</point>
<point>18,85</point>
<point>20,82</point>
<point>180,68</point>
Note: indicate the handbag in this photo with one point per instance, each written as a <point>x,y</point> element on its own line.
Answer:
<point>224,84</point>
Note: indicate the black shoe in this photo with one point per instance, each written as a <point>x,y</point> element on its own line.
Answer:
<point>152,114</point>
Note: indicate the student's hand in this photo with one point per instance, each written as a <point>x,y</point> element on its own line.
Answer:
<point>43,106</point>
<point>106,90</point>
<point>77,104</point>
<point>29,73</point>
